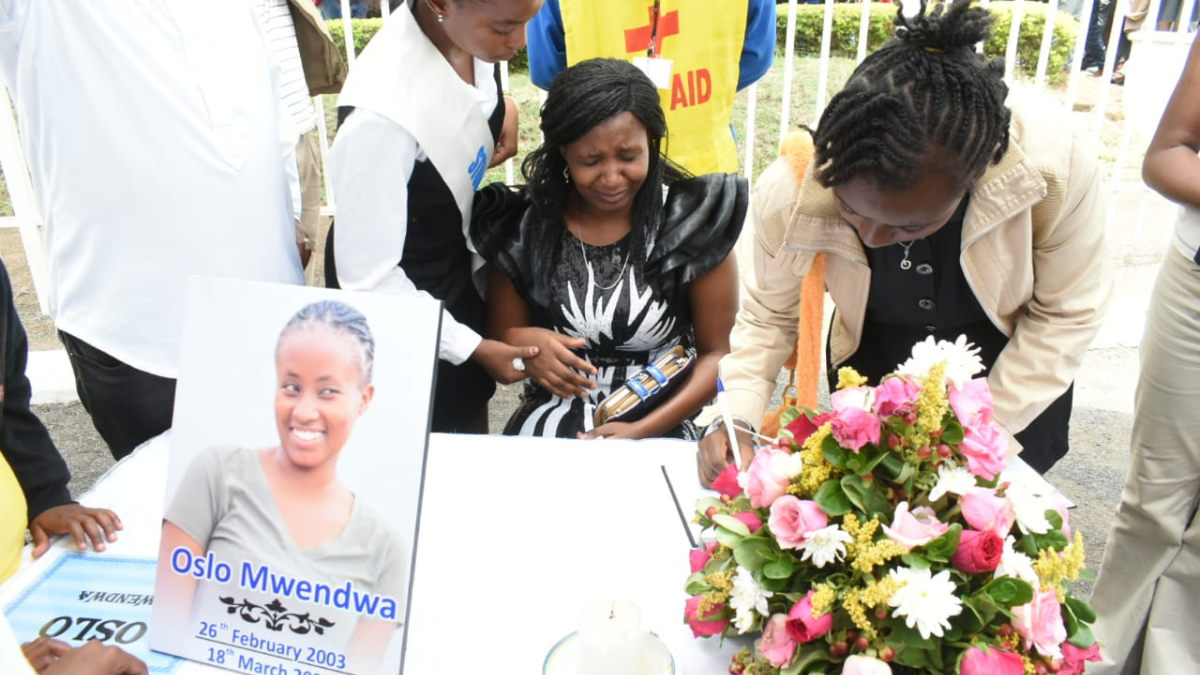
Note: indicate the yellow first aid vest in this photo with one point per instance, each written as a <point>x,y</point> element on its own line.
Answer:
<point>703,40</point>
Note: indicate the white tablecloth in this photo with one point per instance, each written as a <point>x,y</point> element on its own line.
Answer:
<point>516,535</point>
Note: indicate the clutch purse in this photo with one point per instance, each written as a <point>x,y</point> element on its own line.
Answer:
<point>646,389</point>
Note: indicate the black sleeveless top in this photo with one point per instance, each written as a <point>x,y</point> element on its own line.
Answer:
<point>436,259</point>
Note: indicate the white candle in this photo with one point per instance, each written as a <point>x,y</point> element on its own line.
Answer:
<point>611,639</point>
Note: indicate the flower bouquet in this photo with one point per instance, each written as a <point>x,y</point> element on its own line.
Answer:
<point>881,538</point>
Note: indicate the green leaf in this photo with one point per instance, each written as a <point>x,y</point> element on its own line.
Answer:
<point>779,568</point>
<point>953,433</point>
<point>868,497</point>
<point>834,453</point>
<point>1081,609</point>
<point>732,524</point>
<point>1071,621</point>
<point>728,539</point>
<point>1009,591</point>
<point>696,584</point>
<point>874,457</point>
<point>915,561</point>
<point>788,416</point>
<point>832,498</point>
<point>893,463</point>
<point>945,546</point>
<point>1083,638</point>
<point>1055,518</point>
<point>755,552</point>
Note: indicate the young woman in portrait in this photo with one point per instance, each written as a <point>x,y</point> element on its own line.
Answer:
<point>285,508</point>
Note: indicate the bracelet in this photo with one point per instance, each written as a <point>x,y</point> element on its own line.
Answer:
<point>738,423</point>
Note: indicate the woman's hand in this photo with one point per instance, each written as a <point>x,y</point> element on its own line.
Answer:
<point>43,652</point>
<point>93,658</point>
<point>506,145</point>
<point>82,523</point>
<point>556,369</point>
<point>612,430</point>
<point>714,453</point>
<point>497,359</point>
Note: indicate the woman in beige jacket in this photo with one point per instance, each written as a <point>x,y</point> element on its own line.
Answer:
<point>943,209</point>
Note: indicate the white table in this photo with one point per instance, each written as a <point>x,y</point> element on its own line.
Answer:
<point>516,535</point>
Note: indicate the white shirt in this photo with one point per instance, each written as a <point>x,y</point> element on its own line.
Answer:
<point>370,164</point>
<point>159,149</point>
<point>277,21</point>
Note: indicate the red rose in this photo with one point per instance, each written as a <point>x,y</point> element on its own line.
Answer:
<point>727,482</point>
<point>801,428</point>
<point>978,552</point>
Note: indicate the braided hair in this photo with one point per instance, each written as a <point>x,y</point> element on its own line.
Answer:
<point>926,102</point>
<point>340,317</point>
<point>579,99</point>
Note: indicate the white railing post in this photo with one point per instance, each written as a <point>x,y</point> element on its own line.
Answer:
<point>864,24</point>
<point>789,57</point>
<point>1039,79</point>
<point>1085,20</point>
<point>823,72</point>
<point>748,142</point>
<point>348,31</point>
<point>1014,33</point>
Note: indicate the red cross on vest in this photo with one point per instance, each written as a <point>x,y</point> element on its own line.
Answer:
<point>638,39</point>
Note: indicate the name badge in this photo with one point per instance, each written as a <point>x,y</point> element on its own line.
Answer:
<point>658,70</point>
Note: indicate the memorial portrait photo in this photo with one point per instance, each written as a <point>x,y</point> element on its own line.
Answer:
<point>295,477</point>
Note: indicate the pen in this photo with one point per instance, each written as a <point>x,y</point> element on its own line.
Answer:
<point>727,420</point>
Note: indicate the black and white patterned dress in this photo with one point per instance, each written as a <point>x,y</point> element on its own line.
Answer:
<point>630,312</point>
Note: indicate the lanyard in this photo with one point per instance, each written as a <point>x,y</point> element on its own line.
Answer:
<point>653,31</point>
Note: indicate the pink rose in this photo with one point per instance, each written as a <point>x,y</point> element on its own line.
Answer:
<point>1040,623</point>
<point>1074,658</point>
<point>801,428</point>
<point>984,446</point>
<point>727,482</point>
<point>917,528</point>
<point>699,557</point>
<point>992,662</point>
<point>801,624</point>
<point>709,624</point>
<point>865,665</point>
<point>776,645</point>
<point>983,510</point>
<point>791,518</point>
<point>978,552</point>
<point>894,394</point>
<point>972,402</point>
<point>749,519</point>
<point>854,427</point>
<point>768,477</point>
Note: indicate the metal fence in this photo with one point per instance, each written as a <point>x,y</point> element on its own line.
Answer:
<point>1122,130</point>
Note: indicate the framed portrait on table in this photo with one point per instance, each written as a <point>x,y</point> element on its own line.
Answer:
<point>295,478</point>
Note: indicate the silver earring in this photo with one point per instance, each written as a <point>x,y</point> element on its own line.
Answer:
<point>440,18</point>
<point>566,175</point>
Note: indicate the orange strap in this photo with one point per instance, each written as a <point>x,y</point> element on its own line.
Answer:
<point>805,361</point>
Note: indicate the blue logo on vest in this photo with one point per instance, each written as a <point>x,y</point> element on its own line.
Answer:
<point>478,167</point>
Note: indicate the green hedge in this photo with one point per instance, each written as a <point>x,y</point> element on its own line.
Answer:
<point>365,29</point>
<point>810,20</point>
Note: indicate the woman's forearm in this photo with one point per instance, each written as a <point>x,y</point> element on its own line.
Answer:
<point>695,393</point>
